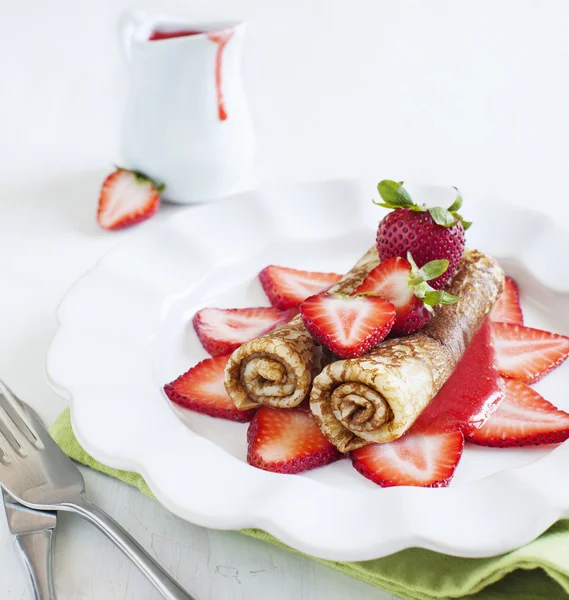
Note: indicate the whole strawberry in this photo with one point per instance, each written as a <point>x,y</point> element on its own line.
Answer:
<point>427,233</point>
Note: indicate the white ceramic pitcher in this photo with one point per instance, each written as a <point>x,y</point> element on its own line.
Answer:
<point>186,121</point>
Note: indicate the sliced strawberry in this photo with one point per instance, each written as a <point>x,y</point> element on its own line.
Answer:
<point>202,389</point>
<point>390,280</point>
<point>524,418</point>
<point>287,441</point>
<point>223,330</point>
<point>527,354</point>
<point>126,198</point>
<point>405,286</point>
<point>425,460</point>
<point>348,326</point>
<point>288,288</point>
<point>508,309</point>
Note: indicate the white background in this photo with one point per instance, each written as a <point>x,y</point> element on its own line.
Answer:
<point>468,93</point>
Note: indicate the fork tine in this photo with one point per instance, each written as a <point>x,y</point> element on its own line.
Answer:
<point>4,450</point>
<point>4,458</point>
<point>11,405</point>
<point>10,435</point>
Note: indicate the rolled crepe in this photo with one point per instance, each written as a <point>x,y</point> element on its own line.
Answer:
<point>377,397</point>
<point>277,368</point>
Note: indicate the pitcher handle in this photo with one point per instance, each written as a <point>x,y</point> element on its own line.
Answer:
<point>127,24</point>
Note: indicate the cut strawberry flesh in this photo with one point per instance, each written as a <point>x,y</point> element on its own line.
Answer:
<point>425,460</point>
<point>126,199</point>
<point>524,418</point>
<point>202,389</point>
<point>507,309</point>
<point>221,331</point>
<point>349,322</point>
<point>471,394</point>
<point>527,354</point>
<point>288,288</point>
<point>347,326</point>
<point>390,280</point>
<point>287,441</point>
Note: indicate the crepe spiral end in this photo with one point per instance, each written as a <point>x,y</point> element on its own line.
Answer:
<point>359,408</point>
<point>273,370</point>
<point>277,368</point>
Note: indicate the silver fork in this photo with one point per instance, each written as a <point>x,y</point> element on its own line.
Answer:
<point>34,532</point>
<point>36,472</point>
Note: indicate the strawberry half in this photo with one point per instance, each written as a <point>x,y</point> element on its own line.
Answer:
<point>405,285</point>
<point>527,354</point>
<point>202,389</point>
<point>288,288</point>
<point>287,441</point>
<point>507,309</point>
<point>428,233</point>
<point>348,326</point>
<point>223,330</point>
<point>126,198</point>
<point>524,418</point>
<point>425,460</point>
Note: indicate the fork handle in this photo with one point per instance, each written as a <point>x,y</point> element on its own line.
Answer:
<point>37,551</point>
<point>161,580</point>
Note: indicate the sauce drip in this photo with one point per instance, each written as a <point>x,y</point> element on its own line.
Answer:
<point>220,38</point>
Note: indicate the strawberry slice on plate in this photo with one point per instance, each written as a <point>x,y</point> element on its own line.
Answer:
<point>348,326</point>
<point>524,418</point>
<point>287,441</point>
<point>406,286</point>
<point>126,198</point>
<point>424,460</point>
<point>288,288</point>
<point>201,389</point>
<point>507,309</point>
<point>527,354</point>
<point>223,330</point>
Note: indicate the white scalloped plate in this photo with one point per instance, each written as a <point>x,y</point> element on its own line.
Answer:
<point>125,330</point>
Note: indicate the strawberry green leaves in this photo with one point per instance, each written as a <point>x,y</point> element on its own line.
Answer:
<point>432,269</point>
<point>455,207</point>
<point>434,297</point>
<point>395,196</point>
<point>441,216</point>
<point>419,278</point>
<point>447,217</point>
<point>457,204</point>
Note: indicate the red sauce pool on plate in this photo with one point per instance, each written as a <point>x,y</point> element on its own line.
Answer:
<point>470,395</point>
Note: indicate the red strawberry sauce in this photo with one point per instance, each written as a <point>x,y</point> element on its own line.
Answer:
<point>220,38</point>
<point>217,37</point>
<point>165,35</point>
<point>470,395</point>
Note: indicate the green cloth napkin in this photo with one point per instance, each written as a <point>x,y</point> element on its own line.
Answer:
<point>539,570</point>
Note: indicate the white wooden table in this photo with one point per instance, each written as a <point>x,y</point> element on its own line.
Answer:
<point>475,94</point>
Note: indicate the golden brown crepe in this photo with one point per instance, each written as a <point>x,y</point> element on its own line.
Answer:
<point>377,397</point>
<point>277,368</point>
